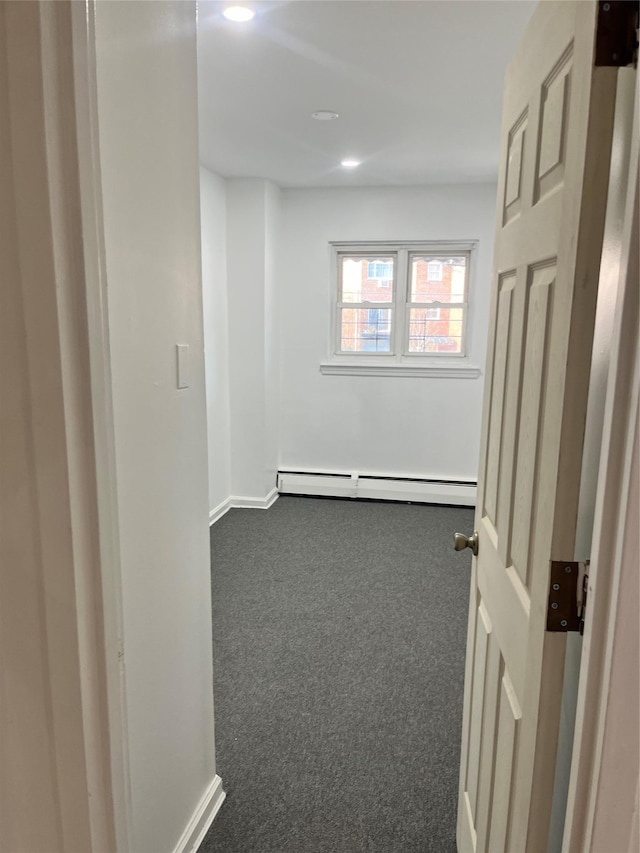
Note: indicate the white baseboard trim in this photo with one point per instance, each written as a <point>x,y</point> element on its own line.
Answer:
<point>255,503</point>
<point>241,502</point>
<point>220,510</point>
<point>202,818</point>
<point>377,487</point>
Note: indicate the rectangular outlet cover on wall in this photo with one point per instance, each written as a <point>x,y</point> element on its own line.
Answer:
<point>182,354</point>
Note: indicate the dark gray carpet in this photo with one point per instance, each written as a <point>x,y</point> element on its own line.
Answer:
<point>339,640</point>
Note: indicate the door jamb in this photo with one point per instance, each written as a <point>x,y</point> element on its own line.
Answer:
<point>54,166</point>
<point>614,479</point>
<point>90,183</point>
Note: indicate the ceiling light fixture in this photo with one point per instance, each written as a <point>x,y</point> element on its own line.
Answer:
<point>324,115</point>
<point>350,164</point>
<point>238,14</point>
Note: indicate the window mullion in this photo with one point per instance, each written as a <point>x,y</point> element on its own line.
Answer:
<point>400,299</point>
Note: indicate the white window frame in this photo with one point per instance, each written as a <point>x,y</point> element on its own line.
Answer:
<point>399,362</point>
<point>411,253</point>
<point>340,305</point>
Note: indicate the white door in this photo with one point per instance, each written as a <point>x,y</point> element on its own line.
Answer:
<point>555,153</point>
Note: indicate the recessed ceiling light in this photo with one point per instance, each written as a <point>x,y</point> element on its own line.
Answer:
<point>324,115</point>
<point>239,14</point>
<point>350,164</point>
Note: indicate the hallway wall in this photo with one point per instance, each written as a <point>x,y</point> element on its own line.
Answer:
<point>147,109</point>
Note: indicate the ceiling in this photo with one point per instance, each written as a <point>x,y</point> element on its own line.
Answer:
<point>417,85</point>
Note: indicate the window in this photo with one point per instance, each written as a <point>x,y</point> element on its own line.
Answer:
<point>434,270</point>
<point>365,303</point>
<point>441,284</point>
<point>401,302</point>
<point>380,269</point>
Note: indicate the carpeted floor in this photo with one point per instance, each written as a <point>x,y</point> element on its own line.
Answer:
<point>339,642</point>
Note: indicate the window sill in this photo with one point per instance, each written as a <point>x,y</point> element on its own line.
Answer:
<point>430,371</point>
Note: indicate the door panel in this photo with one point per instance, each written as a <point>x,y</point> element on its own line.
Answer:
<point>539,307</point>
<point>507,730</point>
<point>556,140</point>
<point>553,127</point>
<point>503,340</point>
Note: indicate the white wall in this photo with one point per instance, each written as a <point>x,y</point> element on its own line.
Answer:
<point>404,426</point>
<point>273,258</point>
<point>146,67</point>
<point>213,204</point>
<point>240,257</point>
<point>252,235</point>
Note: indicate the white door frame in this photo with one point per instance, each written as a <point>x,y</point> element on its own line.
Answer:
<point>612,528</point>
<point>61,366</point>
<point>90,182</point>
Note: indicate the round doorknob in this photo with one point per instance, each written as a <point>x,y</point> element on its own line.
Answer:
<point>460,542</point>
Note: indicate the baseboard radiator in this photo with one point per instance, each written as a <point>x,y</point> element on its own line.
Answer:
<point>377,487</point>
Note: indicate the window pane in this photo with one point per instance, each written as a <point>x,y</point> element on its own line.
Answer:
<point>367,279</point>
<point>435,335</point>
<point>437,279</point>
<point>365,329</point>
